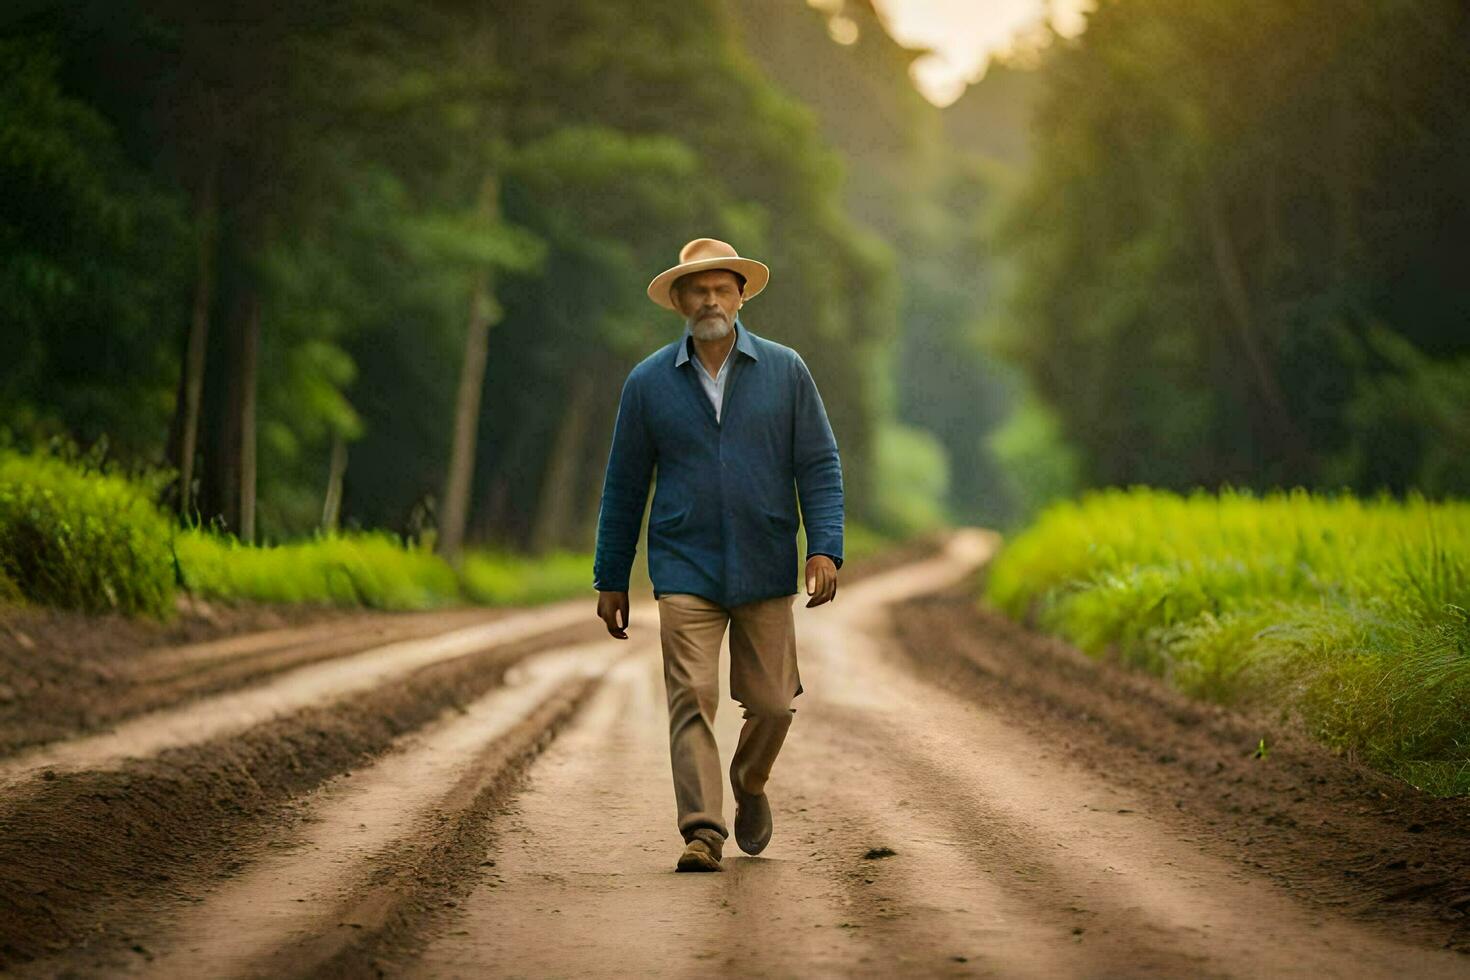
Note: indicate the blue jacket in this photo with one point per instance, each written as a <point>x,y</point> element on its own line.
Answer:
<point>724,516</point>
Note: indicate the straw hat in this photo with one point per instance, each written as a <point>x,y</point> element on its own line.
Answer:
<point>708,253</point>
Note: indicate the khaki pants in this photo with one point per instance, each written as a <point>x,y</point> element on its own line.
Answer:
<point>763,678</point>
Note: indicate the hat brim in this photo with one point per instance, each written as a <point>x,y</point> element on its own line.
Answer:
<point>756,276</point>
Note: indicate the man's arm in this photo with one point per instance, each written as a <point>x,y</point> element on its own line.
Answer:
<point>818,470</point>
<point>630,465</point>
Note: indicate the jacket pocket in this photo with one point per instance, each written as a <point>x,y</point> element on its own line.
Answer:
<point>784,523</point>
<point>667,522</point>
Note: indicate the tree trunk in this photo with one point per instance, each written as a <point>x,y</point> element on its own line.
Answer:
<point>248,398</point>
<point>194,351</point>
<point>220,496</point>
<point>183,433</point>
<point>336,471</point>
<point>484,312</point>
<point>556,510</point>
<point>1238,307</point>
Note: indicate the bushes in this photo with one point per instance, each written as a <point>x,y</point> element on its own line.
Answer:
<point>497,578</point>
<point>1348,615</point>
<point>373,570</point>
<point>75,537</point>
<point>912,480</point>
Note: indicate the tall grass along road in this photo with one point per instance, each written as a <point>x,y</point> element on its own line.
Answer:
<point>1345,615</point>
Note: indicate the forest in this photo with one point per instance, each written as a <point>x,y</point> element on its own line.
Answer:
<point>377,266</point>
<point>1240,250</point>
<point>382,264</point>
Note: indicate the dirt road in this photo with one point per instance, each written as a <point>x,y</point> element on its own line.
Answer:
<point>917,830</point>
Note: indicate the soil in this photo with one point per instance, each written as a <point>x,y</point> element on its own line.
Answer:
<point>82,853</point>
<point>1336,834</point>
<point>86,855</point>
<point>958,796</point>
<point>63,673</point>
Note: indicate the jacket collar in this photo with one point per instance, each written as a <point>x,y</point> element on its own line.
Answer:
<point>742,342</point>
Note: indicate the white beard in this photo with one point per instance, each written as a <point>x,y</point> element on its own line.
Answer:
<point>710,328</point>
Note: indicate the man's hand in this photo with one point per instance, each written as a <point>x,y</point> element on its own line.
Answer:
<point>609,606</point>
<point>821,580</point>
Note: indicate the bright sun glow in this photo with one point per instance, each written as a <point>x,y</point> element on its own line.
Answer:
<point>963,34</point>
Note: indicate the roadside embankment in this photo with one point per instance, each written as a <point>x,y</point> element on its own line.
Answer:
<point>1338,836</point>
<point>1346,616</point>
<point>172,760</point>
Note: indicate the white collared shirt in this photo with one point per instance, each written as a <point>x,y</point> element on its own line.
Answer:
<point>713,387</point>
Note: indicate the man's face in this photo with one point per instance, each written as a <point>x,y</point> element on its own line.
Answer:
<point>708,301</point>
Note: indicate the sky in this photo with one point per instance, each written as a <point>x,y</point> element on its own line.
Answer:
<point>963,33</point>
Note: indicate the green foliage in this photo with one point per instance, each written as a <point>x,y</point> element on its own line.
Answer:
<point>1038,464</point>
<point>1236,248</point>
<point>76,536</point>
<point>501,578</point>
<point>374,570</point>
<point>92,255</point>
<point>928,181</point>
<point>1344,613</point>
<point>10,593</point>
<point>358,174</point>
<point>1410,420</point>
<point>79,538</point>
<point>912,480</point>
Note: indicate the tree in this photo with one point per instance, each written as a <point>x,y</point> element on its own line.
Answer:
<point>1226,201</point>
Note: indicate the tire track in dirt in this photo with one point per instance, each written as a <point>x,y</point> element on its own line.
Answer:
<point>583,881</point>
<point>64,673</point>
<point>165,675</point>
<point>367,850</point>
<point>379,911</point>
<point>1008,859</point>
<point>1339,837</point>
<point>312,686</point>
<point>87,857</point>
<point>918,832</point>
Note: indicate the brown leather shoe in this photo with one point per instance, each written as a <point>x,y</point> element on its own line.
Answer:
<point>752,822</point>
<point>699,856</point>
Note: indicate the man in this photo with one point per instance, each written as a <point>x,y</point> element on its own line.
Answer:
<point>733,424</point>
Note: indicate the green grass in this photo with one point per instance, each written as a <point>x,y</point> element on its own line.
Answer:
<point>373,570</point>
<point>499,578</point>
<point>1347,616</point>
<point>76,537</point>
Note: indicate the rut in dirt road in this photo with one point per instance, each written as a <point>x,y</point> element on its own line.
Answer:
<point>531,832</point>
<point>224,751</point>
<point>916,833</point>
<point>100,830</point>
<point>1006,860</point>
<point>313,685</point>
